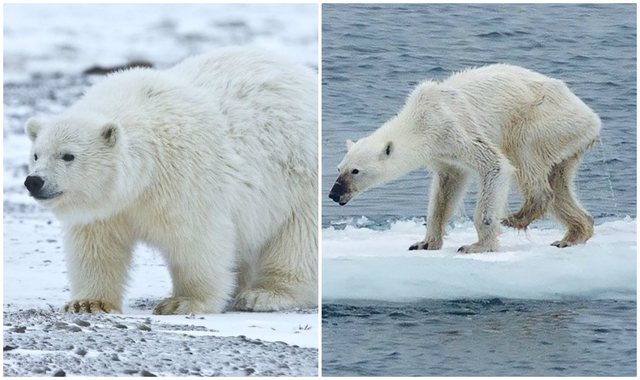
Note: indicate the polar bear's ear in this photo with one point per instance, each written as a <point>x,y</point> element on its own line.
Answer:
<point>387,150</point>
<point>109,132</point>
<point>32,128</point>
<point>350,145</point>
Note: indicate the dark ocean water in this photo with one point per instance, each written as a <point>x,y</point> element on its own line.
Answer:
<point>373,55</point>
<point>480,338</point>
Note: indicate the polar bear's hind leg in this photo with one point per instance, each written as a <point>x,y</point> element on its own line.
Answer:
<point>286,273</point>
<point>565,205</point>
<point>536,191</point>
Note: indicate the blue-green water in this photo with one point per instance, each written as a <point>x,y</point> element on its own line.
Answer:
<point>372,57</point>
<point>491,337</point>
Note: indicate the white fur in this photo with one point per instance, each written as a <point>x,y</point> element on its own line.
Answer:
<point>488,121</point>
<point>213,162</point>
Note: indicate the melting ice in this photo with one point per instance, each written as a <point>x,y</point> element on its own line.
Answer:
<point>362,263</point>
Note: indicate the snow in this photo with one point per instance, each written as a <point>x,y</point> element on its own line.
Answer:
<point>46,49</point>
<point>45,38</point>
<point>362,263</point>
<point>292,328</point>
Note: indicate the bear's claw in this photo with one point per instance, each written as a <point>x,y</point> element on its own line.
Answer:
<point>561,244</point>
<point>476,248</point>
<point>88,306</point>
<point>260,299</point>
<point>426,245</point>
<point>515,222</point>
<point>179,305</point>
<point>418,245</point>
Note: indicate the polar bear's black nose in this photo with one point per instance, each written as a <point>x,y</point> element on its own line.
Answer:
<point>34,183</point>
<point>337,191</point>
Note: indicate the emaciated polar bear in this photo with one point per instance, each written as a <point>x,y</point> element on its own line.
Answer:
<point>490,120</point>
<point>213,162</point>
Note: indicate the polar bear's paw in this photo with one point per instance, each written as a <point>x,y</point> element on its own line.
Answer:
<point>261,299</point>
<point>180,305</point>
<point>88,306</point>
<point>478,248</point>
<point>516,221</point>
<point>430,245</point>
<point>561,244</point>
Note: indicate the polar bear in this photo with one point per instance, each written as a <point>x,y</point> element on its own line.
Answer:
<point>494,121</point>
<point>213,162</point>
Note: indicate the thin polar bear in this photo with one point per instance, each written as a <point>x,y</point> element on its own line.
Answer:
<point>497,121</point>
<point>213,162</point>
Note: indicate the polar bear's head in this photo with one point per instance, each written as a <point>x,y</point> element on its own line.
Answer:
<point>73,162</point>
<point>368,163</point>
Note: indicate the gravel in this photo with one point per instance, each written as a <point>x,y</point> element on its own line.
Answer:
<point>43,345</point>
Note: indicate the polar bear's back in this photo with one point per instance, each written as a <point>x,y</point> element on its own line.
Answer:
<point>510,85</point>
<point>261,100</point>
<point>494,73</point>
<point>240,77</point>
<point>503,85</point>
<point>513,107</point>
<point>234,66</point>
<point>503,96</point>
<point>266,110</point>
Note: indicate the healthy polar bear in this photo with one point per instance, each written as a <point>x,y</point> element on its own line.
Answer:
<point>213,162</point>
<point>489,121</point>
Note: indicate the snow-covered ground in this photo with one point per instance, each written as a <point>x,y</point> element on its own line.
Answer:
<point>361,263</point>
<point>46,49</point>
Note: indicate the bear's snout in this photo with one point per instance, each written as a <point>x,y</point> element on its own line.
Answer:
<point>337,192</point>
<point>34,184</point>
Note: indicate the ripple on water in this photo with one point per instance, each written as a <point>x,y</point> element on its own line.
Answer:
<point>501,338</point>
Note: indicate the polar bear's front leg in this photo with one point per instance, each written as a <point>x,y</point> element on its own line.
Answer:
<point>446,191</point>
<point>202,275</point>
<point>494,171</point>
<point>98,258</point>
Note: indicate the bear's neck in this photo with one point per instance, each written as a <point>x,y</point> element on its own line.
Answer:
<point>409,150</point>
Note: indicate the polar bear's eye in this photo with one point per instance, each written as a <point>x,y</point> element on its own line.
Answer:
<point>355,171</point>
<point>68,157</point>
<point>35,157</point>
